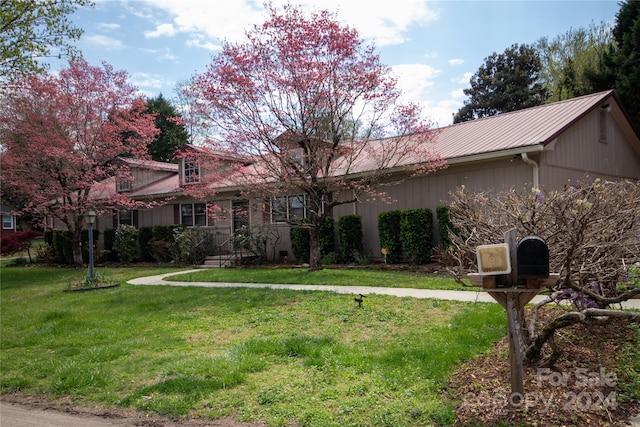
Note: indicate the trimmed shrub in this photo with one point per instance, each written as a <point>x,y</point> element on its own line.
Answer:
<point>145,235</point>
<point>444,226</point>
<point>126,243</point>
<point>350,237</point>
<point>389,234</point>
<point>417,234</point>
<point>327,236</point>
<point>165,232</point>
<point>62,248</point>
<point>109,239</point>
<point>300,239</point>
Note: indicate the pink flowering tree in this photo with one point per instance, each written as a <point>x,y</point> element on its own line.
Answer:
<point>61,139</point>
<point>314,112</point>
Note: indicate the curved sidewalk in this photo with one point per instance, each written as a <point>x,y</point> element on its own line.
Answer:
<point>466,296</point>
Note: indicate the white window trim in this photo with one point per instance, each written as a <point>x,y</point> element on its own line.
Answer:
<point>120,221</point>
<point>194,176</point>
<point>11,220</point>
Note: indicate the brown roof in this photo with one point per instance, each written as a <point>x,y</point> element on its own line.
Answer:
<point>524,128</point>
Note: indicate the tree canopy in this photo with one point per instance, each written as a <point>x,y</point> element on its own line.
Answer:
<point>62,136</point>
<point>570,58</point>
<point>621,63</point>
<point>506,82</point>
<point>172,132</point>
<point>32,30</point>
<point>305,99</point>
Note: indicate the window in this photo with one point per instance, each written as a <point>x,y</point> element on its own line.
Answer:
<point>288,208</point>
<point>125,218</point>
<point>193,214</point>
<point>123,186</point>
<point>191,171</point>
<point>602,125</point>
<point>7,222</point>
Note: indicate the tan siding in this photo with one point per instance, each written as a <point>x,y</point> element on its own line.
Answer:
<point>579,152</point>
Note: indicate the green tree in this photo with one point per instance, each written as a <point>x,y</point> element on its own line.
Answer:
<point>506,82</point>
<point>32,30</point>
<point>568,60</point>
<point>172,132</point>
<point>621,64</point>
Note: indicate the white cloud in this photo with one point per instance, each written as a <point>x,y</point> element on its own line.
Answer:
<point>200,42</point>
<point>456,61</point>
<point>108,26</point>
<point>383,21</point>
<point>104,42</point>
<point>162,54</point>
<point>414,79</point>
<point>161,30</point>
<point>441,112</point>
<point>463,80</point>
<point>146,80</point>
<point>457,93</point>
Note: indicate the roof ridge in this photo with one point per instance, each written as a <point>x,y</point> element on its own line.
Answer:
<point>564,101</point>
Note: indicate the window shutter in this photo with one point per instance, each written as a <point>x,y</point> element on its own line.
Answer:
<point>176,214</point>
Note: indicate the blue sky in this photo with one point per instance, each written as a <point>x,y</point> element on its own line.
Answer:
<point>433,46</point>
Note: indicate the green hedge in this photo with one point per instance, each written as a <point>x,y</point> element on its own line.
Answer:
<point>327,236</point>
<point>389,234</point>
<point>350,237</point>
<point>416,233</point>
<point>300,243</point>
<point>444,226</point>
<point>145,235</point>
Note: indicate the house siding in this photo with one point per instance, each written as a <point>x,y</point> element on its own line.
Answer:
<point>578,154</point>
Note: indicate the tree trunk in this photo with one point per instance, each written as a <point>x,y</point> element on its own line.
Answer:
<point>76,248</point>
<point>315,262</point>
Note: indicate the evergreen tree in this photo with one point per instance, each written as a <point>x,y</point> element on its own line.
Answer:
<point>172,132</point>
<point>506,82</point>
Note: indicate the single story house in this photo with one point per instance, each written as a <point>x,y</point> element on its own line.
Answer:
<point>546,147</point>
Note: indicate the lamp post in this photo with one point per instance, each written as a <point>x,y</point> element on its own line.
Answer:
<point>90,219</point>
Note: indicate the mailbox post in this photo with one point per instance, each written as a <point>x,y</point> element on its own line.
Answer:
<point>513,275</point>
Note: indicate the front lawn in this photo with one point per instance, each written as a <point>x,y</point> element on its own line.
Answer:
<point>327,276</point>
<point>279,356</point>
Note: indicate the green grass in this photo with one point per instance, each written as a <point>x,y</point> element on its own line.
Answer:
<point>280,356</point>
<point>328,276</point>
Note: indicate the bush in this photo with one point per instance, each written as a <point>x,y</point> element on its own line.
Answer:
<point>62,248</point>
<point>145,235</point>
<point>18,241</point>
<point>126,243</point>
<point>327,236</point>
<point>110,253</point>
<point>187,245</point>
<point>389,234</point>
<point>444,227</point>
<point>416,234</point>
<point>349,236</point>
<point>300,243</point>
<point>161,251</point>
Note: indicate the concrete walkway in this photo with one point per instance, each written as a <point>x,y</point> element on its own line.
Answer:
<point>466,296</point>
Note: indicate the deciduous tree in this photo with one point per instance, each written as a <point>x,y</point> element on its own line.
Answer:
<point>506,82</point>
<point>33,30</point>
<point>569,59</point>
<point>61,137</point>
<point>314,111</point>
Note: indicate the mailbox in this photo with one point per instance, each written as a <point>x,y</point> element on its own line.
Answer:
<point>532,258</point>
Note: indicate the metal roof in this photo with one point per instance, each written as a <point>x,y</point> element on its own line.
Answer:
<point>529,127</point>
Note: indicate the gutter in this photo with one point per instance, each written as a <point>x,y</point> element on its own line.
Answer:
<point>536,170</point>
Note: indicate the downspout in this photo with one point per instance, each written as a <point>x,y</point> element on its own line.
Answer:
<point>536,170</point>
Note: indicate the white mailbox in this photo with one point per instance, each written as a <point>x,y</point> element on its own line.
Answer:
<point>493,259</point>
